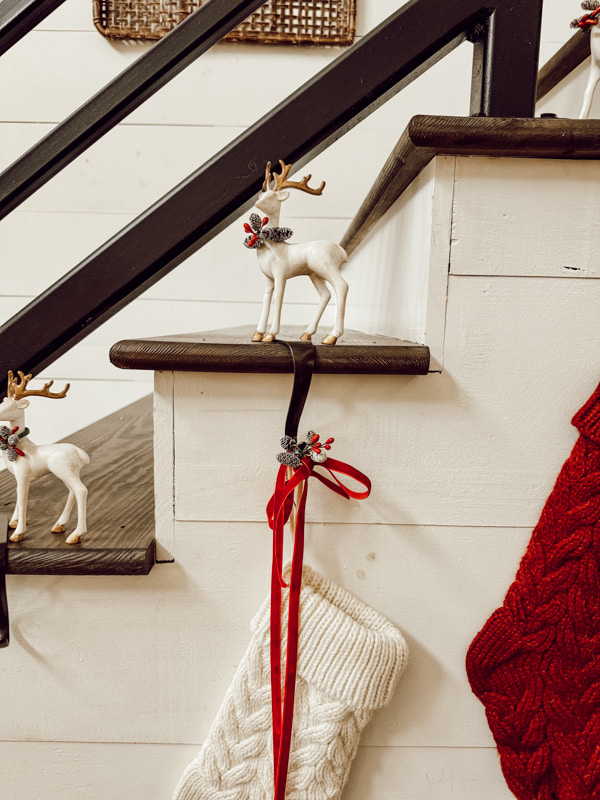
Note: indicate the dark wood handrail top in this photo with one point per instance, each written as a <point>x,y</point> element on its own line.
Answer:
<point>232,351</point>
<point>514,137</point>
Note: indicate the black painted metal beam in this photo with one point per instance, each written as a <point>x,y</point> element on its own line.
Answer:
<point>18,17</point>
<point>301,126</point>
<point>166,59</point>
<point>504,72</point>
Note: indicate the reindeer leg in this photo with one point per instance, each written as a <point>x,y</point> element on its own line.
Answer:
<point>341,292</point>
<point>21,510</point>
<point>61,522</point>
<point>14,520</point>
<point>258,334</point>
<point>594,74</point>
<point>277,304</point>
<point>588,95</point>
<point>81,493</point>
<point>324,298</point>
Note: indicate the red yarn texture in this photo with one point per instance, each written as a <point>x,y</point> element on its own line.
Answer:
<point>535,665</point>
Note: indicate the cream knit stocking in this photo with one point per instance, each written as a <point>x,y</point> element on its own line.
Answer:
<point>350,659</point>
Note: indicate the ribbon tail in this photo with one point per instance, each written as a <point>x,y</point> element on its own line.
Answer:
<point>291,661</point>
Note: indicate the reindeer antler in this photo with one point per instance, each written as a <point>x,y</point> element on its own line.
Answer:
<point>17,389</point>
<point>281,181</point>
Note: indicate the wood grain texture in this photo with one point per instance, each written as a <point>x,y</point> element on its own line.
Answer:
<point>120,538</point>
<point>563,62</point>
<point>514,137</point>
<point>232,351</point>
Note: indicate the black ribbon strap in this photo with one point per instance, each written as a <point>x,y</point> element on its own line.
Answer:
<point>4,628</point>
<point>303,357</point>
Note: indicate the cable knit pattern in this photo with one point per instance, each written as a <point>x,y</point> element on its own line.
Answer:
<point>350,659</point>
<point>536,663</point>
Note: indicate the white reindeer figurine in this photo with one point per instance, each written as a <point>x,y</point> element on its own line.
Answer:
<point>590,21</point>
<point>28,461</point>
<point>278,260</point>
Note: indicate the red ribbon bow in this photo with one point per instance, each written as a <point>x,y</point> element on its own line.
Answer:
<point>279,509</point>
<point>587,19</point>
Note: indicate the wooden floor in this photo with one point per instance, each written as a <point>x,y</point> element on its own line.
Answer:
<point>120,538</point>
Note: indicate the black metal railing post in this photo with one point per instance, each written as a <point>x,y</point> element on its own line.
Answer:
<point>505,60</point>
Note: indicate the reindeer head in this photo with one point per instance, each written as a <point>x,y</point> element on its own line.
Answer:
<point>14,404</point>
<point>273,191</point>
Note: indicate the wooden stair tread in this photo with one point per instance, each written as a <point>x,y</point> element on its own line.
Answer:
<point>231,350</point>
<point>121,536</point>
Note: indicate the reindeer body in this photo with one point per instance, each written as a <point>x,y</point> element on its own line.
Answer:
<point>63,460</point>
<point>322,261</point>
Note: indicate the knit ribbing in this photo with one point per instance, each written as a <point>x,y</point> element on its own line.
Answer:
<point>346,648</point>
<point>339,633</point>
<point>536,663</point>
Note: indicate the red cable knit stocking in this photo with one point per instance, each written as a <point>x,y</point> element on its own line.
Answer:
<point>536,663</point>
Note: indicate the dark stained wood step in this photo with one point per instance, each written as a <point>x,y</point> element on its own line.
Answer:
<point>121,535</point>
<point>232,351</point>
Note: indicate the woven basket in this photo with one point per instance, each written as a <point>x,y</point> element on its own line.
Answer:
<point>308,22</point>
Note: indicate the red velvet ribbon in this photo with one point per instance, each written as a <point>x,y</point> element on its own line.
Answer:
<point>278,511</point>
<point>588,19</point>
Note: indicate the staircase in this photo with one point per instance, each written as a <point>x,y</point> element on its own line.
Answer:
<point>472,339</point>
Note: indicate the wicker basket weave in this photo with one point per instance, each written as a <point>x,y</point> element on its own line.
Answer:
<point>307,22</point>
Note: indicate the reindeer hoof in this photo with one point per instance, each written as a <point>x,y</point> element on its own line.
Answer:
<point>257,336</point>
<point>58,529</point>
<point>306,337</point>
<point>269,337</point>
<point>74,538</point>
<point>16,537</point>
<point>330,339</point>
<point>13,523</point>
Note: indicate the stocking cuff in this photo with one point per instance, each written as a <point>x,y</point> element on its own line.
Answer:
<point>346,648</point>
<point>587,419</point>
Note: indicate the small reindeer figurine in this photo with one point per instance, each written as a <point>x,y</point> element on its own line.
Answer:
<point>590,21</point>
<point>28,461</point>
<point>278,260</point>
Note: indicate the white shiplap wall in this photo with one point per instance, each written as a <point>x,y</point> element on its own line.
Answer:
<point>54,69</point>
<point>110,684</point>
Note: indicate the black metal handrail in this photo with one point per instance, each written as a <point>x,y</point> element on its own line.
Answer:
<point>506,34</point>
<point>18,17</point>
<point>149,73</point>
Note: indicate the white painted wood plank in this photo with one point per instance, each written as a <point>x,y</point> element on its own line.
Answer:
<point>480,444</point>
<point>72,15</point>
<point>525,217</point>
<point>103,655</point>
<point>63,771</point>
<point>133,166</point>
<point>223,270</point>
<point>163,465</point>
<point>391,267</point>
<point>427,773</point>
<point>401,268</point>
<point>87,402</point>
<point>165,646</point>
<point>223,87</point>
